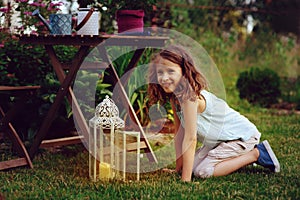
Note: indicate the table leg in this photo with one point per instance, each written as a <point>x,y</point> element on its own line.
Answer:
<point>77,114</point>
<point>64,90</point>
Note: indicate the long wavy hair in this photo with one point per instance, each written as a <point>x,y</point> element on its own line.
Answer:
<point>190,85</point>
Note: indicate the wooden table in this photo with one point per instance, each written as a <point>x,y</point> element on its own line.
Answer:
<point>85,44</point>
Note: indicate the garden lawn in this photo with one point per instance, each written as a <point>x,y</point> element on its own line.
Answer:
<point>64,174</point>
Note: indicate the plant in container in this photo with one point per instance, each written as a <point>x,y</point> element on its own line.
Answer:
<point>86,3</point>
<point>130,14</point>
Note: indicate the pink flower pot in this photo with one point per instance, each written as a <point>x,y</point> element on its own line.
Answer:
<point>130,20</point>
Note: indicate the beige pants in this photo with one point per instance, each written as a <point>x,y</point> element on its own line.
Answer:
<point>206,160</point>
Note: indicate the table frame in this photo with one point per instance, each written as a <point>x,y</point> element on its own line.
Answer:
<point>85,44</point>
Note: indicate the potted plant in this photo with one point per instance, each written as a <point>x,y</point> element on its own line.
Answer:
<point>85,3</point>
<point>129,14</point>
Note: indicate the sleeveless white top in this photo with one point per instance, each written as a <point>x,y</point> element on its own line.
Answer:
<point>218,122</point>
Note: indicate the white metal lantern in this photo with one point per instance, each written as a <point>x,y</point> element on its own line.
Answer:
<point>105,149</point>
<point>106,117</point>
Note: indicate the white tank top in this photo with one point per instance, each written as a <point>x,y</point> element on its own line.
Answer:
<point>218,122</point>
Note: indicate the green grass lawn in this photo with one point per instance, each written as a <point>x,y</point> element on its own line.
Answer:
<point>64,174</point>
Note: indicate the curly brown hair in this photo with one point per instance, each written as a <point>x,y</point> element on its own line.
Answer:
<point>192,81</point>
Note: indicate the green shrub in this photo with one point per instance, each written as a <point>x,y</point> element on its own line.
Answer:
<point>290,90</point>
<point>258,86</point>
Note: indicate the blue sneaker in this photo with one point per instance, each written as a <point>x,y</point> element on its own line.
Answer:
<point>267,157</point>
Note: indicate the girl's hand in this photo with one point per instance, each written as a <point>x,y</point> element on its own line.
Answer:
<point>170,171</point>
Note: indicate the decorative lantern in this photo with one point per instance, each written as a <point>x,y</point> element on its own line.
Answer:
<point>105,147</point>
<point>106,117</point>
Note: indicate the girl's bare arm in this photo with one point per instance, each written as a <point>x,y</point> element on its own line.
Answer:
<point>179,132</point>
<point>190,138</point>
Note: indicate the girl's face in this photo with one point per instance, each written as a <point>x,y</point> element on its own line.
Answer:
<point>168,75</point>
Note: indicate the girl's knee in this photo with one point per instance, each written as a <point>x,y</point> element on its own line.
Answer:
<point>204,172</point>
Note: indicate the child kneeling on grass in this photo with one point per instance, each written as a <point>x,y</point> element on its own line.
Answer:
<point>230,141</point>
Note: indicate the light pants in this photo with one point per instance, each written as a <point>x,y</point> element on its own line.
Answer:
<point>206,159</point>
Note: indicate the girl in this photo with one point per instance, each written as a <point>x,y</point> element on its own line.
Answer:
<point>229,140</point>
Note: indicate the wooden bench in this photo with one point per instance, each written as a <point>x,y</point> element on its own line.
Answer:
<point>22,93</point>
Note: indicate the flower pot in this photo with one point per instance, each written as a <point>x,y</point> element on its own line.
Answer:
<point>130,21</point>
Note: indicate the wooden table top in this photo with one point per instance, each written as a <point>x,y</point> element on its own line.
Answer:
<point>93,40</point>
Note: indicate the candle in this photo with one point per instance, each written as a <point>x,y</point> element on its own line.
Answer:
<point>105,171</point>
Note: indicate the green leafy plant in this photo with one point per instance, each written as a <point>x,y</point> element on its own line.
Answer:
<point>259,86</point>
<point>111,6</point>
<point>94,91</point>
<point>86,3</point>
<point>290,90</point>
<point>130,4</point>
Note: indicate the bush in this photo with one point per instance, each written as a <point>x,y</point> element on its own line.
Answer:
<point>290,90</point>
<point>258,86</point>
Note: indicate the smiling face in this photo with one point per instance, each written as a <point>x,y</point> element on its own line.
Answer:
<point>173,74</point>
<point>168,75</point>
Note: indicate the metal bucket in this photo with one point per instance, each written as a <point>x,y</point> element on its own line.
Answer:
<point>61,24</point>
<point>91,27</point>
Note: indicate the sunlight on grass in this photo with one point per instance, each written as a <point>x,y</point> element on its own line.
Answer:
<point>64,174</point>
